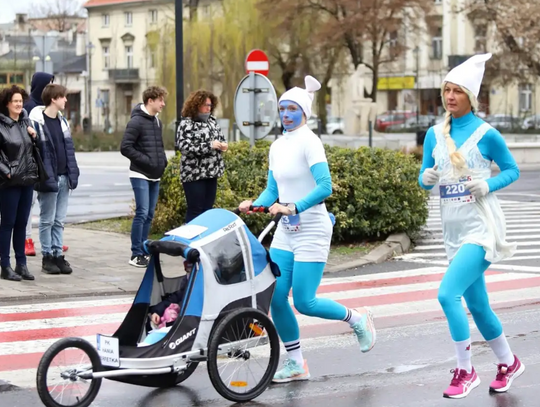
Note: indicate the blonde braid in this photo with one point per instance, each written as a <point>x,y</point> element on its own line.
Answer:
<point>456,158</point>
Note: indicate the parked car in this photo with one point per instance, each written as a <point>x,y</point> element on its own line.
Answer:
<point>424,122</point>
<point>334,125</point>
<point>392,118</point>
<point>531,122</point>
<point>504,122</point>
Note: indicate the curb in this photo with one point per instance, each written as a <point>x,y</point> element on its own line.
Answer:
<point>44,297</point>
<point>394,245</point>
<point>6,386</point>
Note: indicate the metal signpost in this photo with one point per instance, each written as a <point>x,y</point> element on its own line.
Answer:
<point>44,44</point>
<point>255,106</point>
<point>255,101</point>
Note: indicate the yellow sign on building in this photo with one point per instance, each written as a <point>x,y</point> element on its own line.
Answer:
<point>395,83</point>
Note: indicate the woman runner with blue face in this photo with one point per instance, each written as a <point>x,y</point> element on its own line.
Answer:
<point>299,179</point>
<point>458,154</point>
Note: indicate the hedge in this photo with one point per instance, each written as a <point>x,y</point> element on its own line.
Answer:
<point>375,191</point>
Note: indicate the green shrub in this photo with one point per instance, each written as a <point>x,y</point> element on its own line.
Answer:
<point>375,191</point>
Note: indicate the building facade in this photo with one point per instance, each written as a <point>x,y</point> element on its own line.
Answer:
<point>412,82</point>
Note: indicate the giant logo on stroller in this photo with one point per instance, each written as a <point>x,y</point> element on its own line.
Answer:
<point>174,344</point>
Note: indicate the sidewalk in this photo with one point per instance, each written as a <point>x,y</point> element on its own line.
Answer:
<point>100,267</point>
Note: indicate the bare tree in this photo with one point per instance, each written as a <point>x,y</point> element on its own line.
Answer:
<point>58,15</point>
<point>514,35</point>
<point>369,29</point>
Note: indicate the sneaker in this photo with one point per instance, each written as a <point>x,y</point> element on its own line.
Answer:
<point>65,248</point>
<point>138,261</point>
<point>506,375</point>
<point>462,384</point>
<point>29,248</point>
<point>63,265</point>
<point>292,371</point>
<point>365,331</point>
<point>48,265</point>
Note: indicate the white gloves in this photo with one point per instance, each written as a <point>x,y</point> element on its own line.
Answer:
<point>430,176</point>
<point>478,188</point>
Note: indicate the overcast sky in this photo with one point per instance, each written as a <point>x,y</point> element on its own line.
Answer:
<point>10,7</point>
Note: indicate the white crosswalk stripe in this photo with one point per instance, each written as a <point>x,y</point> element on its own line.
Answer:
<point>522,227</point>
<point>396,298</point>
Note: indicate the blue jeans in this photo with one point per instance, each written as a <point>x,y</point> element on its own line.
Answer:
<point>146,196</point>
<point>15,203</point>
<point>52,215</point>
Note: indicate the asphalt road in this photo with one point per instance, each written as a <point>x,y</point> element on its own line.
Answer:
<point>409,367</point>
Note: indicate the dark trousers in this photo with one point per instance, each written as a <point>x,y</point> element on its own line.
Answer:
<point>200,196</point>
<point>15,205</point>
<point>146,196</point>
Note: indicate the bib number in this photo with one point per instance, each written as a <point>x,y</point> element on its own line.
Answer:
<point>456,194</point>
<point>291,223</point>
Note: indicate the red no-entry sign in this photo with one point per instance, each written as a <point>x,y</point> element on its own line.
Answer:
<point>257,61</point>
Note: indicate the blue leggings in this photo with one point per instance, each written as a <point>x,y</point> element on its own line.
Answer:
<point>304,278</point>
<point>465,278</point>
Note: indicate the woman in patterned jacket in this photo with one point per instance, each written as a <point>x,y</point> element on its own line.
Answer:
<point>201,142</point>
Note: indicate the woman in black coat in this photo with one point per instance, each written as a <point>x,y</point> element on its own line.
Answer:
<point>202,143</point>
<point>18,174</point>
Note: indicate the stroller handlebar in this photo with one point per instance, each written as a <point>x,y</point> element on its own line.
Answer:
<point>262,209</point>
<point>171,248</point>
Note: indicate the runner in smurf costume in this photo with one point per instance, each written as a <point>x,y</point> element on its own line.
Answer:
<point>458,153</point>
<point>299,178</point>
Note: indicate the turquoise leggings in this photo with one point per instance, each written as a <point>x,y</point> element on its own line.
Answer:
<point>304,278</point>
<point>465,278</point>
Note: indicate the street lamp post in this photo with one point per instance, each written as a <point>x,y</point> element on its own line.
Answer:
<point>179,35</point>
<point>417,52</point>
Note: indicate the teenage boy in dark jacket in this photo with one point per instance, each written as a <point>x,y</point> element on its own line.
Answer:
<point>143,145</point>
<point>39,81</point>
<point>58,155</point>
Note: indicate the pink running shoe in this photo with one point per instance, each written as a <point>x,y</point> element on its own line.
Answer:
<point>462,384</point>
<point>506,375</point>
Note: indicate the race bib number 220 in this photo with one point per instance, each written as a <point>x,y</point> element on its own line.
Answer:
<point>456,194</point>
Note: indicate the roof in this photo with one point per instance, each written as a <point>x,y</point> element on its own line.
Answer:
<point>97,3</point>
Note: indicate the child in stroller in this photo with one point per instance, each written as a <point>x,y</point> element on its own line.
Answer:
<point>163,314</point>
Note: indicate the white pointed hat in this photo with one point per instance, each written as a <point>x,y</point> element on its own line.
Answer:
<point>470,73</point>
<point>303,97</point>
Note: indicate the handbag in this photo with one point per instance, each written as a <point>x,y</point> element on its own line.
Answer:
<point>42,172</point>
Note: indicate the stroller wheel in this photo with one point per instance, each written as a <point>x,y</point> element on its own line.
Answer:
<point>58,381</point>
<point>243,354</point>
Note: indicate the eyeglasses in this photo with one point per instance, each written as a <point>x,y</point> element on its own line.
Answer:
<point>207,105</point>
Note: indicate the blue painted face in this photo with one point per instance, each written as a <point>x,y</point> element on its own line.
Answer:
<point>291,114</point>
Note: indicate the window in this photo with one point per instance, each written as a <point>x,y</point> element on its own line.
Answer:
<point>106,19</point>
<point>436,44</point>
<point>129,101</point>
<point>17,78</point>
<point>129,18</point>
<point>393,43</point>
<point>3,79</point>
<point>525,97</point>
<point>480,33</point>
<point>106,57</point>
<point>226,257</point>
<point>129,56</point>
<point>153,57</point>
<point>153,16</point>
<point>438,1</point>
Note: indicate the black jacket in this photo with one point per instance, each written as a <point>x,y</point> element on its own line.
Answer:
<point>143,144</point>
<point>16,152</point>
<point>39,81</point>
<point>175,298</point>
<point>48,153</point>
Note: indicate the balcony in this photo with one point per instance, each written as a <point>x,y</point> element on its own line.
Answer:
<point>124,75</point>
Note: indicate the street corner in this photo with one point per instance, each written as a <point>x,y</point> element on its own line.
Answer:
<point>6,387</point>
